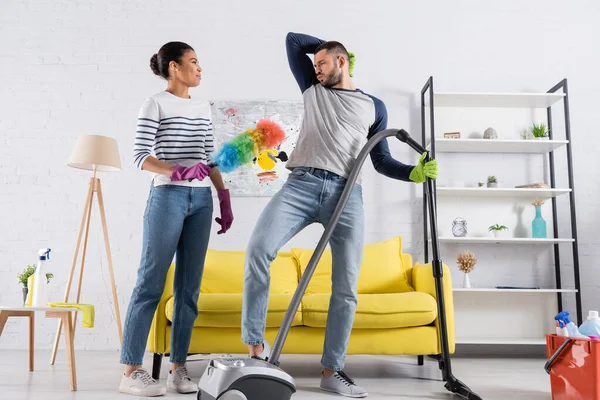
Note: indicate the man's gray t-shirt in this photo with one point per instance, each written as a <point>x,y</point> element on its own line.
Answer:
<point>334,128</point>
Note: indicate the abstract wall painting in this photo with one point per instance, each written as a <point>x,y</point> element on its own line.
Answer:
<point>265,175</point>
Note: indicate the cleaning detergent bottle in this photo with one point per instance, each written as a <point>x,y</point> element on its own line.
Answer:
<point>591,327</point>
<point>40,283</point>
<point>566,327</point>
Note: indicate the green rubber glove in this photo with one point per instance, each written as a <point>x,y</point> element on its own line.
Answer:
<point>424,170</point>
<point>351,63</point>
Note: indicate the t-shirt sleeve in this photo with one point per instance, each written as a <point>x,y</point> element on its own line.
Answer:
<point>298,45</point>
<point>147,125</point>
<point>381,158</point>
<point>209,139</point>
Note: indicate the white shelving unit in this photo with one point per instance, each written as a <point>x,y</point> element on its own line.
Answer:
<point>496,100</point>
<point>497,146</point>
<point>501,340</point>
<point>501,192</point>
<point>496,290</point>
<point>490,315</point>
<point>501,240</point>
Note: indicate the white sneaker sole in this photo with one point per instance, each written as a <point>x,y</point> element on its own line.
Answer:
<point>172,386</point>
<point>158,392</point>
<point>356,396</point>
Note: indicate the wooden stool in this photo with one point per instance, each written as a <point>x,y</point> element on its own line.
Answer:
<point>64,314</point>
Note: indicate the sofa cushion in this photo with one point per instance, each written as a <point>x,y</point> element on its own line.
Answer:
<point>224,272</point>
<point>382,269</point>
<point>224,310</point>
<point>376,311</point>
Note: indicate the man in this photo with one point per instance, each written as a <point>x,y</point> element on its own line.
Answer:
<point>337,122</point>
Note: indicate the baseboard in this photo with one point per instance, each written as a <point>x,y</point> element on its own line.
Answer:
<point>501,350</point>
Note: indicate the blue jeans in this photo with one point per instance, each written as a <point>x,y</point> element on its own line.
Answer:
<point>177,220</point>
<point>309,195</point>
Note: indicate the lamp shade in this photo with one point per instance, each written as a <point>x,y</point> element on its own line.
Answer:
<point>95,151</point>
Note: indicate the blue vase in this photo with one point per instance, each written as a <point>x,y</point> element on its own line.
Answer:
<point>538,225</point>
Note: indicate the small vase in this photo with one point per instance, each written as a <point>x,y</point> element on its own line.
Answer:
<point>492,184</point>
<point>538,225</point>
<point>25,291</point>
<point>466,281</point>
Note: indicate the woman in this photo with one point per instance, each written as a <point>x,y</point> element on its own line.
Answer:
<point>178,131</point>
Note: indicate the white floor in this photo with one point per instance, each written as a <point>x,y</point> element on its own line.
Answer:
<point>98,375</point>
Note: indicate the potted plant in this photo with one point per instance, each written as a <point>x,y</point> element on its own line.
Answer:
<point>480,184</point>
<point>495,230</point>
<point>492,182</point>
<point>23,278</point>
<point>539,132</point>
<point>466,263</point>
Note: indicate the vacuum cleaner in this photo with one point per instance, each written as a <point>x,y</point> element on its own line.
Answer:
<point>248,378</point>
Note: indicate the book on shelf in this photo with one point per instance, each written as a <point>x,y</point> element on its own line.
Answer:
<point>537,185</point>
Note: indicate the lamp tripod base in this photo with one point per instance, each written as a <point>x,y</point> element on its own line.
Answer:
<point>84,228</point>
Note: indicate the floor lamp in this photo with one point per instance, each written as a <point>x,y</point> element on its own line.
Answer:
<point>94,153</point>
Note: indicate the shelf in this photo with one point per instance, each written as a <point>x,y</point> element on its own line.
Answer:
<point>494,290</point>
<point>502,100</point>
<point>484,314</point>
<point>528,341</point>
<point>501,192</point>
<point>487,240</point>
<point>497,146</point>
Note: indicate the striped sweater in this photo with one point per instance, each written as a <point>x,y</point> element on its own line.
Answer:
<point>176,131</point>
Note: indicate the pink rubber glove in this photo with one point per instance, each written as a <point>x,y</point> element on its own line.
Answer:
<point>226,213</point>
<point>198,171</point>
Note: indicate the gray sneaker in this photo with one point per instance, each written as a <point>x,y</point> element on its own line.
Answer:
<point>181,381</point>
<point>341,383</point>
<point>140,383</point>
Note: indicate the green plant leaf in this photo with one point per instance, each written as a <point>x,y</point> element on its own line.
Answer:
<point>539,131</point>
<point>27,272</point>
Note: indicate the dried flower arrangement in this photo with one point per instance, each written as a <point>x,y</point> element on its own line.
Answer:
<point>537,202</point>
<point>466,261</point>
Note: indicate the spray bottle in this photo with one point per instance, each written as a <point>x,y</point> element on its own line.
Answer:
<point>566,327</point>
<point>591,327</point>
<point>40,283</point>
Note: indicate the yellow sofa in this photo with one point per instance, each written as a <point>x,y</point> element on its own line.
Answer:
<point>396,312</point>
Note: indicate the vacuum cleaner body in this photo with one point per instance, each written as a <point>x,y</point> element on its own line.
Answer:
<point>244,379</point>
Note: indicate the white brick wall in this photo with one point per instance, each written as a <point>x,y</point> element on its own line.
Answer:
<point>69,68</point>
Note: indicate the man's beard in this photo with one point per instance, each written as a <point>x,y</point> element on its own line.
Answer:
<point>334,78</point>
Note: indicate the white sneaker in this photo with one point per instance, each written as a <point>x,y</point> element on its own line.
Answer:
<point>180,381</point>
<point>265,353</point>
<point>140,383</point>
<point>341,383</point>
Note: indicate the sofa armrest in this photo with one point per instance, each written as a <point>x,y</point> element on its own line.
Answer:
<point>423,281</point>
<point>158,329</point>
